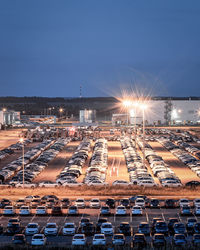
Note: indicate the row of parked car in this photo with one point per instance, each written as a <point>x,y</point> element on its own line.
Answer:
<point>73,169</point>
<point>158,228</point>
<point>166,176</point>
<point>138,172</point>
<point>96,172</point>
<point>10,150</point>
<point>181,154</point>
<point>32,170</point>
<point>10,170</point>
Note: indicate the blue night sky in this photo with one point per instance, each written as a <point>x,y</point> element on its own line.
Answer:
<point>51,47</point>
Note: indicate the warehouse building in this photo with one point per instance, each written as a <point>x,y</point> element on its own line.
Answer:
<point>9,117</point>
<point>165,111</point>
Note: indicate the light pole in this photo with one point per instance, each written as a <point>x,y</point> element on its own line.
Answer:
<point>22,142</point>
<point>127,104</point>
<point>143,107</point>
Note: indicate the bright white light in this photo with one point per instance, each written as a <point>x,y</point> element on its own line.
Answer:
<point>21,140</point>
<point>143,106</point>
<point>179,111</point>
<point>127,103</point>
<point>132,113</point>
<point>174,114</point>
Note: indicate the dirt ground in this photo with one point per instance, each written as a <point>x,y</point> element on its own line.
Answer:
<point>8,137</point>
<point>117,169</point>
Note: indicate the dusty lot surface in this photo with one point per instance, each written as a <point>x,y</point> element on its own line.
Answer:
<point>8,137</point>
<point>180,169</point>
<point>117,169</point>
<point>55,167</point>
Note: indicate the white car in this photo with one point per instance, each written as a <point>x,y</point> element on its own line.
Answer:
<point>95,203</point>
<point>24,210</point>
<point>72,184</point>
<point>8,210</point>
<point>197,210</point>
<point>136,210</point>
<point>41,210</point>
<point>38,240</point>
<point>80,203</point>
<point>171,183</point>
<point>51,229</point>
<point>140,202</point>
<point>48,184</point>
<point>79,240</point>
<point>32,228</point>
<point>184,202</point>
<point>120,210</point>
<point>99,239</point>
<point>196,202</point>
<point>69,229</point>
<point>107,228</point>
<point>26,185</point>
<point>147,183</point>
<point>121,183</point>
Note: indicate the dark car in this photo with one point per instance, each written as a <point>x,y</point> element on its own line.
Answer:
<point>154,220</point>
<point>190,225</point>
<point>88,229</point>
<point>19,239</point>
<point>125,202</point>
<point>179,240</point>
<point>154,203</point>
<point>144,228</point>
<point>159,240</point>
<point>1,228</point>
<point>139,240</point>
<point>14,228</point>
<point>65,202</point>
<point>171,223</point>
<point>170,203</point>
<point>197,228</point>
<point>110,202</point>
<point>57,210</point>
<point>192,184</point>
<point>161,227</point>
<point>196,240</point>
<point>124,228</point>
<point>179,228</point>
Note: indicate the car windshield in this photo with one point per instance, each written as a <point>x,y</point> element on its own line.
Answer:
<point>99,237</point>
<point>78,237</point>
<point>32,226</point>
<point>51,226</point>
<point>69,226</point>
<point>38,237</point>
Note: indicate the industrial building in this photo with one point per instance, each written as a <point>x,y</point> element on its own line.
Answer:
<point>163,111</point>
<point>9,117</point>
<point>87,116</point>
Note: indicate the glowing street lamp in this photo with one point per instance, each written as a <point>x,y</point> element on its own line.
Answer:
<point>4,109</point>
<point>61,110</point>
<point>22,142</point>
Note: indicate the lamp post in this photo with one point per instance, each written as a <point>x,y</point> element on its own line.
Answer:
<point>22,142</point>
<point>143,107</point>
<point>127,104</point>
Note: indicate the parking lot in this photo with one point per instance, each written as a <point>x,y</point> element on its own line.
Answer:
<point>148,214</point>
